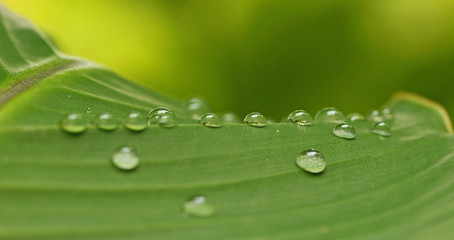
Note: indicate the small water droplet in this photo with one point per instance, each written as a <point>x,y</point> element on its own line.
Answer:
<point>106,122</point>
<point>345,131</point>
<point>88,110</point>
<point>375,116</point>
<point>255,119</point>
<point>125,158</point>
<point>353,117</point>
<point>230,118</point>
<point>198,206</point>
<point>329,115</point>
<point>164,117</point>
<point>73,123</point>
<point>197,107</point>
<point>210,120</point>
<point>301,118</point>
<point>311,161</point>
<point>381,129</point>
<point>388,115</point>
<point>134,121</point>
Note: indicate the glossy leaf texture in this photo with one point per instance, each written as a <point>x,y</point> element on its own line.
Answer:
<point>55,185</point>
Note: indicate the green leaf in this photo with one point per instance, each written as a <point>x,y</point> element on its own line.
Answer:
<point>54,185</point>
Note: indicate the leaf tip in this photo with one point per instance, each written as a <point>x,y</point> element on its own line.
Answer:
<point>399,96</point>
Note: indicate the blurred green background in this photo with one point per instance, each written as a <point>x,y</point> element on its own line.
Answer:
<point>261,55</point>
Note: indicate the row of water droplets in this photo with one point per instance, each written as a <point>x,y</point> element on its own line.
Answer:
<point>125,158</point>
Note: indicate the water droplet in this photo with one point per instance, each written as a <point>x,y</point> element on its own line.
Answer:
<point>388,115</point>
<point>301,118</point>
<point>198,206</point>
<point>255,119</point>
<point>210,120</point>
<point>311,161</point>
<point>88,110</point>
<point>382,129</point>
<point>106,122</point>
<point>353,117</point>
<point>164,117</point>
<point>197,107</point>
<point>125,158</point>
<point>230,118</point>
<point>375,116</point>
<point>73,123</point>
<point>329,115</point>
<point>134,121</point>
<point>345,131</point>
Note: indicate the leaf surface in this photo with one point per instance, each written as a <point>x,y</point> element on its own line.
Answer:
<point>54,185</point>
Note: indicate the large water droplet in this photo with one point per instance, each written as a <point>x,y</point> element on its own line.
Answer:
<point>197,107</point>
<point>353,117</point>
<point>345,131</point>
<point>164,117</point>
<point>381,129</point>
<point>311,161</point>
<point>73,123</point>
<point>329,115</point>
<point>125,158</point>
<point>198,206</point>
<point>301,118</point>
<point>255,119</point>
<point>210,120</point>
<point>134,121</point>
<point>106,122</point>
<point>230,118</point>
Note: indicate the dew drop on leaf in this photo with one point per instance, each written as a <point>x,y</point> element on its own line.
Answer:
<point>125,158</point>
<point>311,161</point>
<point>345,131</point>
<point>106,122</point>
<point>381,129</point>
<point>230,118</point>
<point>198,206</point>
<point>73,123</point>
<point>134,121</point>
<point>353,117</point>
<point>300,117</point>
<point>329,115</point>
<point>255,119</point>
<point>197,107</point>
<point>163,117</point>
<point>211,120</point>
<point>375,116</point>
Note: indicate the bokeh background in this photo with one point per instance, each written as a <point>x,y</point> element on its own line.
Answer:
<point>261,55</point>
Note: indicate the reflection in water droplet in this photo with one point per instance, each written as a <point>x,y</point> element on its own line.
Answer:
<point>73,123</point>
<point>197,107</point>
<point>106,122</point>
<point>198,206</point>
<point>210,120</point>
<point>345,131</point>
<point>311,161</point>
<point>381,129</point>
<point>230,118</point>
<point>329,115</point>
<point>353,117</point>
<point>255,119</point>
<point>134,121</point>
<point>301,118</point>
<point>164,117</point>
<point>125,158</point>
